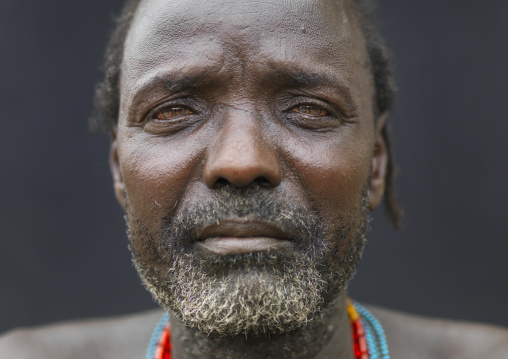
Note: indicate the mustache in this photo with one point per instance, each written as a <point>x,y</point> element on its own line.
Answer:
<point>253,203</point>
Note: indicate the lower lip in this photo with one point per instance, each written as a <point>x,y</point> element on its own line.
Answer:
<point>238,245</point>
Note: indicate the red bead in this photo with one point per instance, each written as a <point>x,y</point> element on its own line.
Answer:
<point>360,348</point>
<point>362,345</point>
<point>356,349</point>
<point>358,328</point>
<point>159,353</point>
<point>163,350</point>
<point>164,338</point>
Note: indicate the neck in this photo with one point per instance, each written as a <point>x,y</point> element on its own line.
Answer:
<point>328,337</point>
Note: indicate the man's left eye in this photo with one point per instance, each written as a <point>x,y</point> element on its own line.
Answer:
<point>310,110</point>
<point>172,112</point>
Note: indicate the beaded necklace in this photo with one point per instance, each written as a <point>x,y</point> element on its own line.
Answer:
<point>369,339</point>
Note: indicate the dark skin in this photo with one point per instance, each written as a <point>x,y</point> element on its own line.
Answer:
<point>234,125</point>
<point>233,92</point>
<point>277,93</point>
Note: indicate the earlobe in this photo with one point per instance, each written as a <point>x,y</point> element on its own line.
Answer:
<point>114,165</point>
<point>379,164</point>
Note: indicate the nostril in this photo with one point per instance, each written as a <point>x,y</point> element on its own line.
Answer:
<point>221,182</point>
<point>262,181</point>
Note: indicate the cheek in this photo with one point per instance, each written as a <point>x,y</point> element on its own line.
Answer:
<point>157,173</point>
<point>333,172</point>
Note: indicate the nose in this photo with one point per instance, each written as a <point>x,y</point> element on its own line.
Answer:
<point>241,156</point>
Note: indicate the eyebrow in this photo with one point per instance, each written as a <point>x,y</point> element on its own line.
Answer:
<point>165,84</point>
<point>287,77</point>
<point>173,82</point>
<point>307,79</point>
<point>177,82</point>
<point>302,78</point>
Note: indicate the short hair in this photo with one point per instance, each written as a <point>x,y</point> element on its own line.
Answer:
<point>107,92</point>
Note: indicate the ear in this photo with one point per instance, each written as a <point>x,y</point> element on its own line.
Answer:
<point>379,164</point>
<point>114,165</point>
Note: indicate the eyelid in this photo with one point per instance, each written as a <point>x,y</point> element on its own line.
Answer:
<point>178,102</point>
<point>171,125</point>
<point>172,108</point>
<point>297,108</point>
<point>330,109</point>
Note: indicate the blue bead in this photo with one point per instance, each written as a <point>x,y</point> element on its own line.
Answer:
<point>371,341</point>
<point>379,333</point>
<point>150,353</point>
<point>374,334</point>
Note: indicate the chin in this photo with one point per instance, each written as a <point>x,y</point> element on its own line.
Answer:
<point>252,293</point>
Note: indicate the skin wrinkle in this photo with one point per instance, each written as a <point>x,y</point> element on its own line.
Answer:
<point>244,151</point>
<point>162,81</point>
<point>177,236</point>
<point>251,149</point>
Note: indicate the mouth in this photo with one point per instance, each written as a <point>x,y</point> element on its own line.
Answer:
<point>238,236</point>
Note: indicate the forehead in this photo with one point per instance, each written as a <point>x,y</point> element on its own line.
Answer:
<point>180,17</point>
<point>306,35</point>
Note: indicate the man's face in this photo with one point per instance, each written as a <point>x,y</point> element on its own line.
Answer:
<point>243,153</point>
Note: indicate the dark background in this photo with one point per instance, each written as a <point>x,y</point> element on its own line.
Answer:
<point>63,250</point>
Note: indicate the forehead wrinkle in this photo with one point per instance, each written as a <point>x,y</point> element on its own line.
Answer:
<point>185,19</point>
<point>165,26</point>
<point>167,49</point>
<point>161,83</point>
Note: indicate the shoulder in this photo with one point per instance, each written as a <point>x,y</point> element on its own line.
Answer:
<point>411,336</point>
<point>118,337</point>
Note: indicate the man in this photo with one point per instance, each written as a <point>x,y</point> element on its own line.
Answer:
<point>249,143</point>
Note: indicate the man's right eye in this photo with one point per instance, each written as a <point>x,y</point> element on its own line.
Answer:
<point>170,119</point>
<point>171,113</point>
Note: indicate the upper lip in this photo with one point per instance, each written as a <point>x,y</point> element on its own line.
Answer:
<point>243,227</point>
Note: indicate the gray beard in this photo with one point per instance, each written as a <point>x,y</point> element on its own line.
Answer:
<point>260,293</point>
